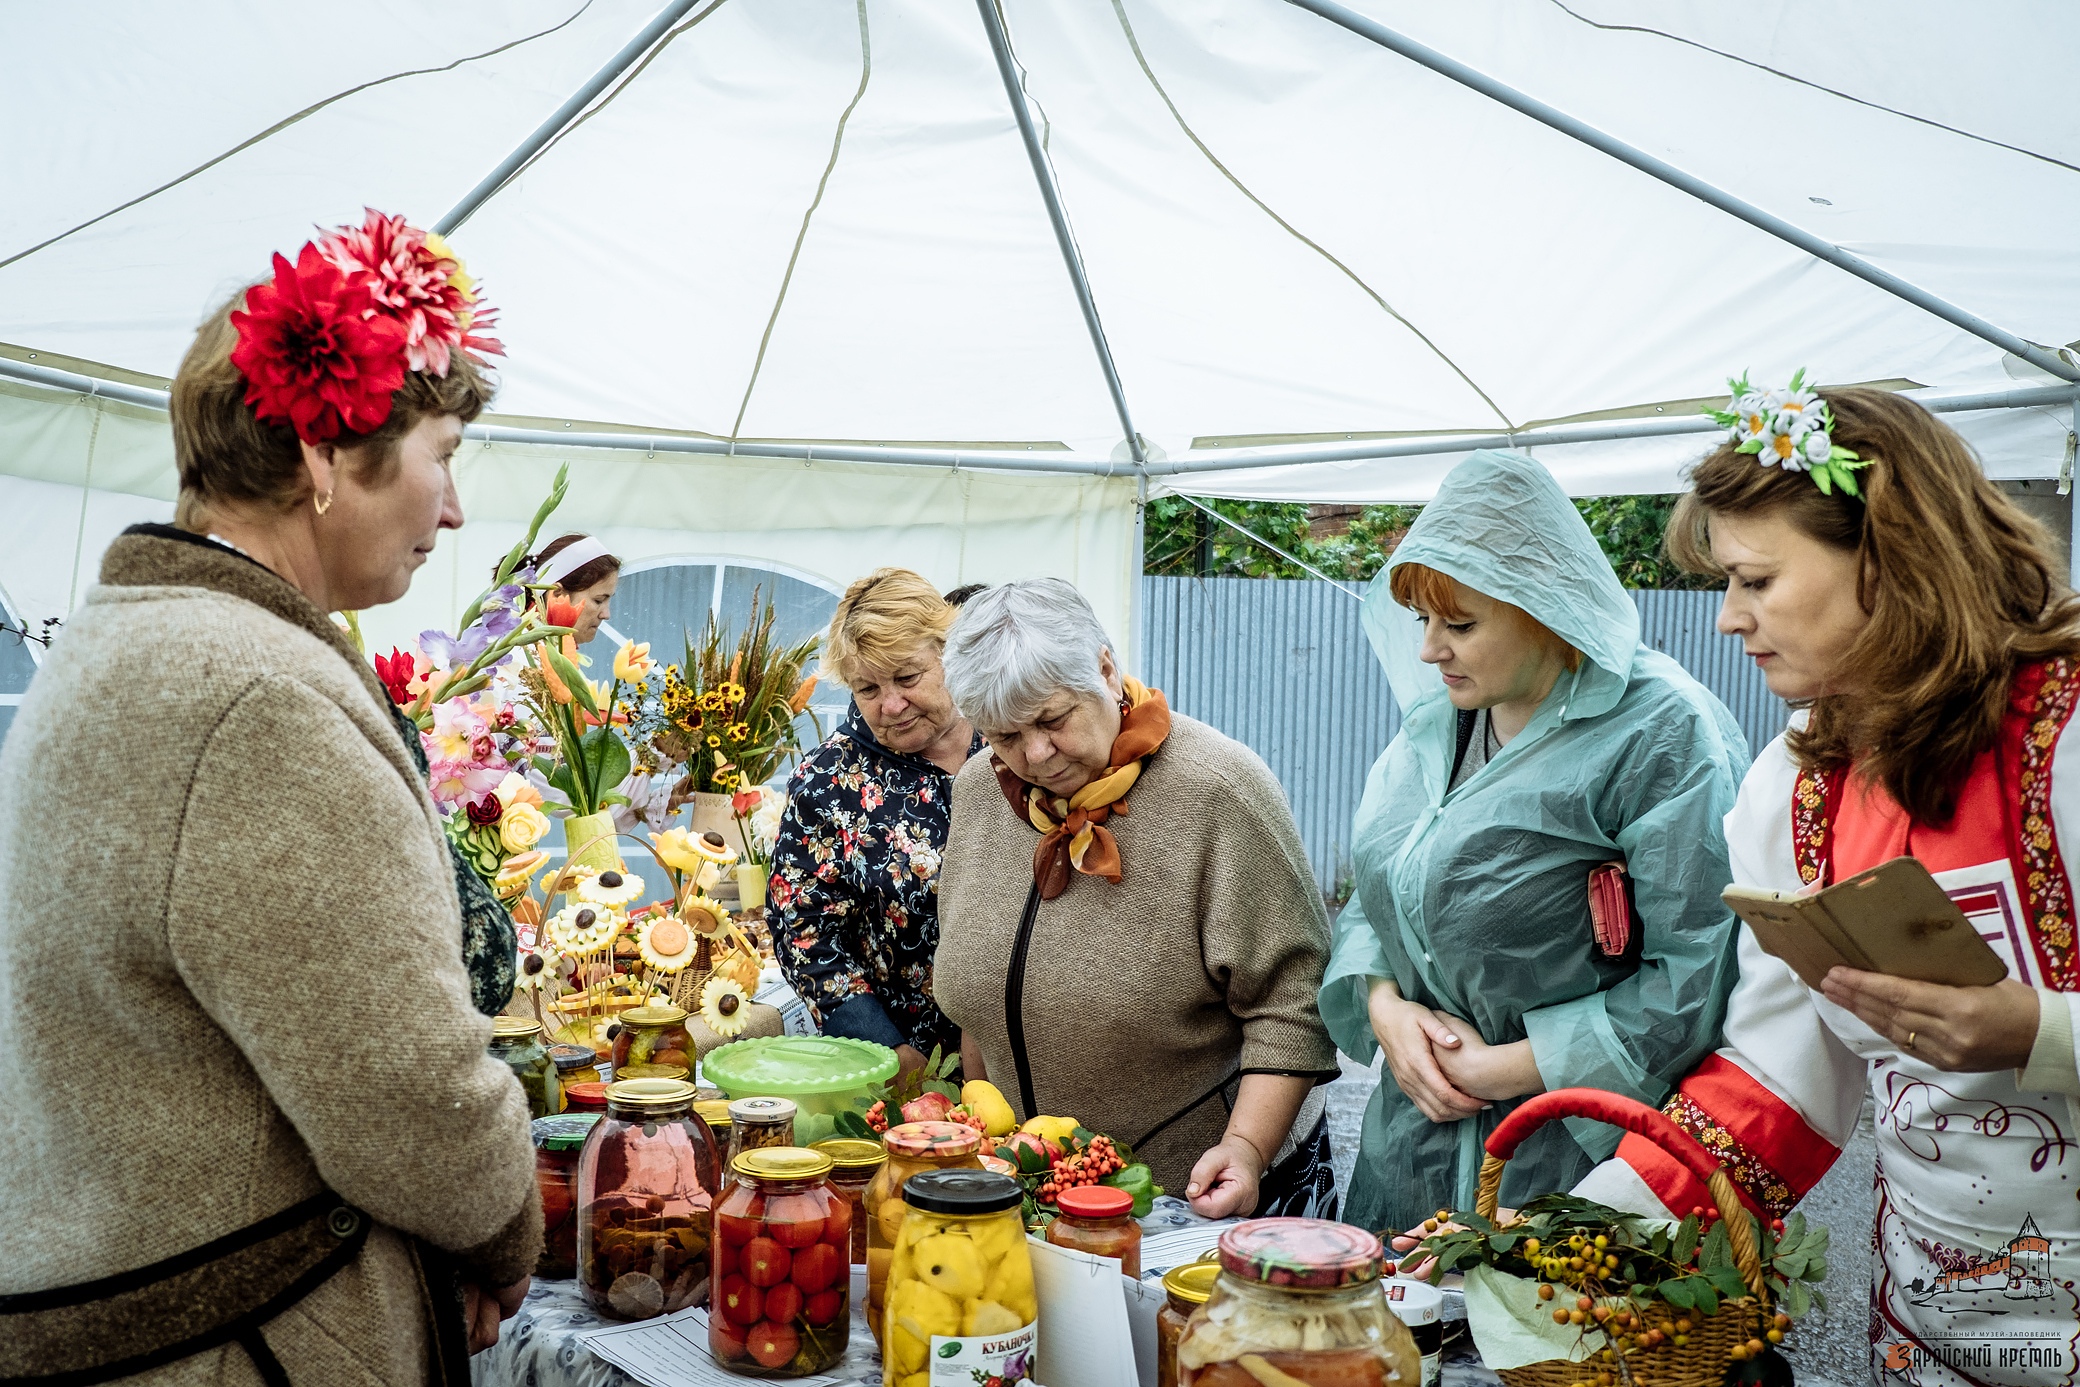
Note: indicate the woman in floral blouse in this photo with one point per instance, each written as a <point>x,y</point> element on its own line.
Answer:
<point>854,892</point>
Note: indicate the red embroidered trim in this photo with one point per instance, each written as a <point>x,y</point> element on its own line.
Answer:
<point>1812,816</point>
<point>1764,1188</point>
<point>2047,892</point>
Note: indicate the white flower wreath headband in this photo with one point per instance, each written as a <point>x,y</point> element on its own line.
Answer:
<point>1790,428</point>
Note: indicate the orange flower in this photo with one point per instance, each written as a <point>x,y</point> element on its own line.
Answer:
<point>561,611</point>
<point>558,690</point>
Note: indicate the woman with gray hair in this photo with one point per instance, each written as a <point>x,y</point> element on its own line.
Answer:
<point>1153,973</point>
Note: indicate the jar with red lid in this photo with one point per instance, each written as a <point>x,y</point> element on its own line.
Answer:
<point>1098,1219</point>
<point>913,1148</point>
<point>1301,1298</point>
<point>646,1184</point>
<point>589,1096</point>
<point>557,1142</point>
<point>783,1284</point>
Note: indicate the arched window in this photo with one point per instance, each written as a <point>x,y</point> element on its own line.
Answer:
<point>18,661</point>
<point>667,602</point>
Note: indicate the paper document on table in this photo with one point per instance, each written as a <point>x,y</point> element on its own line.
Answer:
<point>1173,1247</point>
<point>670,1351</point>
<point>1084,1336</point>
<point>1145,1301</point>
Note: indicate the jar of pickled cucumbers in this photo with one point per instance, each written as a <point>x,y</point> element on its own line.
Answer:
<point>854,1164</point>
<point>654,1034</point>
<point>913,1148</point>
<point>1297,1302</point>
<point>961,1305</point>
<point>783,1284</point>
<point>517,1043</point>
<point>647,1178</point>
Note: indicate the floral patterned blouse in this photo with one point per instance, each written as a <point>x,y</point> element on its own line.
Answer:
<point>854,890</point>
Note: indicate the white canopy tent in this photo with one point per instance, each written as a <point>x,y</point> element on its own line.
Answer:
<point>1285,261</point>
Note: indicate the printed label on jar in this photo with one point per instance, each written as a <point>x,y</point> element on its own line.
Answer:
<point>983,1360</point>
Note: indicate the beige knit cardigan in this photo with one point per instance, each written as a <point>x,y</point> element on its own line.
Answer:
<point>1142,999</point>
<point>230,969</point>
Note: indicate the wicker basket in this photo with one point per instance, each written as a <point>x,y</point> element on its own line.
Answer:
<point>1703,1361</point>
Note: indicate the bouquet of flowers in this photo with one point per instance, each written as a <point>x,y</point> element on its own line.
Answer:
<point>757,812</point>
<point>728,715</point>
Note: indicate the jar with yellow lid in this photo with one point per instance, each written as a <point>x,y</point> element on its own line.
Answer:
<point>517,1042</point>
<point>758,1123</point>
<point>913,1148</point>
<point>654,1034</point>
<point>646,1185</point>
<point>961,1302</point>
<point>782,1300</point>
<point>854,1164</point>
<point>1185,1289</point>
<point>1299,1297</point>
<point>715,1112</point>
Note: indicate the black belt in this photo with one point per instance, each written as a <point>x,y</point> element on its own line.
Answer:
<point>219,1293</point>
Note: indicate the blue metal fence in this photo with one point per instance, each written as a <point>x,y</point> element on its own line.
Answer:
<point>1283,667</point>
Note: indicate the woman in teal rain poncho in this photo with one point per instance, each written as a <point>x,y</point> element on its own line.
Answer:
<point>1539,739</point>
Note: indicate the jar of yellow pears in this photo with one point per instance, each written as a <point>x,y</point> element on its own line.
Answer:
<point>961,1305</point>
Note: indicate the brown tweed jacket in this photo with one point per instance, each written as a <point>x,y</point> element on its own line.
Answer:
<point>229,936</point>
<point>1139,1000</point>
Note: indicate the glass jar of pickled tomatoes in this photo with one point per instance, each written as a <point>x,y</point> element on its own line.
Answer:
<point>913,1148</point>
<point>783,1281</point>
<point>1099,1219</point>
<point>557,1142</point>
<point>1301,1297</point>
<point>646,1183</point>
<point>961,1303</point>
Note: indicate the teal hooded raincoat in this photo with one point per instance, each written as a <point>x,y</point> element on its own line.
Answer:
<point>1476,902</point>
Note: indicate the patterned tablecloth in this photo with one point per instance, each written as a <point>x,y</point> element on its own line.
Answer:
<point>540,1347</point>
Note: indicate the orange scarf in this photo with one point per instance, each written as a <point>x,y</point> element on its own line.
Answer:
<point>1072,830</point>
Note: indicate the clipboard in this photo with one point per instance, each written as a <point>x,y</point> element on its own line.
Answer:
<point>1891,919</point>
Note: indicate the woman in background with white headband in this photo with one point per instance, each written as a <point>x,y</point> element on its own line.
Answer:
<point>584,575</point>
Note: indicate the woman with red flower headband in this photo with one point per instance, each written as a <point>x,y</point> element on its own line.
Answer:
<point>258,1173</point>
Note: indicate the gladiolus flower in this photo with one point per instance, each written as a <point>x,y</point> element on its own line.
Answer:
<point>396,670</point>
<point>456,782</point>
<point>632,662</point>
<point>562,611</point>
<point>456,728</point>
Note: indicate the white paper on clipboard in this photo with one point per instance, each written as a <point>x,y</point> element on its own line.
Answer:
<point>1085,1338</point>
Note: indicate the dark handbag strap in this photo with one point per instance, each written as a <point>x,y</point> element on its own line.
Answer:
<point>219,1293</point>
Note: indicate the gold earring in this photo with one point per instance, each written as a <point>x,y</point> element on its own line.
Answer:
<point>322,503</point>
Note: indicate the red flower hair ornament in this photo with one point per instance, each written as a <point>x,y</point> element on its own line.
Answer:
<point>326,344</point>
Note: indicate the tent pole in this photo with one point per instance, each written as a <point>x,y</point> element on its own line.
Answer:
<point>2072,501</point>
<point>1607,431</point>
<point>1137,661</point>
<point>1043,173</point>
<point>568,111</point>
<point>1726,202</point>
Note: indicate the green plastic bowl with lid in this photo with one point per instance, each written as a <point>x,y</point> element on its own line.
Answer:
<point>825,1075</point>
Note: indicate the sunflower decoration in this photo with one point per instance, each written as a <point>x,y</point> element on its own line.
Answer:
<point>517,871</point>
<point>531,971</point>
<point>725,1006</point>
<point>715,848</point>
<point>580,928</point>
<point>666,944</point>
<point>571,878</point>
<point>610,888</point>
<point>705,916</point>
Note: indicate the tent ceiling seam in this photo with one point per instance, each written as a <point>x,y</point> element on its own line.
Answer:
<point>866,71</point>
<point>1818,247</point>
<point>620,86</point>
<point>1808,82</point>
<point>1013,74</point>
<point>1126,25</point>
<point>284,124</point>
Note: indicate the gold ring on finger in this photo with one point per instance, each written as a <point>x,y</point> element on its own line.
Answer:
<point>1910,1038</point>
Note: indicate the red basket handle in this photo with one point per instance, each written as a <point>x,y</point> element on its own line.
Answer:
<point>1633,1116</point>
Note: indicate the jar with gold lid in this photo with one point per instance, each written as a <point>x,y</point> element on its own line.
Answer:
<point>654,1034</point>
<point>913,1148</point>
<point>1300,1298</point>
<point>854,1164</point>
<point>715,1112</point>
<point>646,1185</point>
<point>781,1305</point>
<point>517,1042</point>
<point>1185,1289</point>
